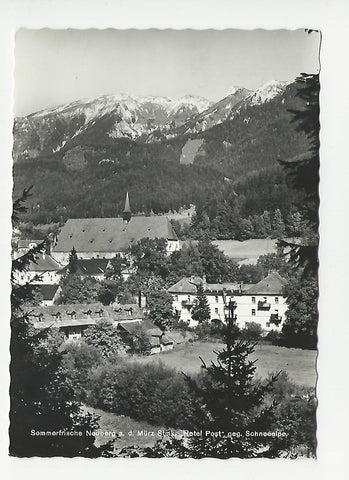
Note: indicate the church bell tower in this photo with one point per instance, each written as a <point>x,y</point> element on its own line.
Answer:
<point>127,211</point>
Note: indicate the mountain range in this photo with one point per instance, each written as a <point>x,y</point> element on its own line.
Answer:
<point>81,157</point>
<point>54,130</point>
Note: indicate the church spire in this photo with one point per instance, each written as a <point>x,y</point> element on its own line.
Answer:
<point>127,210</point>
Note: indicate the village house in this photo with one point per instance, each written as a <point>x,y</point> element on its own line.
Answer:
<point>262,303</point>
<point>49,293</point>
<point>73,319</point>
<point>24,245</point>
<point>128,319</point>
<point>94,268</point>
<point>106,237</point>
<point>159,341</point>
<point>45,270</point>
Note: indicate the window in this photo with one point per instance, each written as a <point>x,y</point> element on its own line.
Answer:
<point>216,310</point>
<point>188,298</point>
<point>276,299</point>
<point>267,324</point>
<point>216,297</point>
<point>253,299</point>
<point>253,312</point>
<point>175,298</point>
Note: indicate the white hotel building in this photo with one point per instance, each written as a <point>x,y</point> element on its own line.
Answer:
<point>262,303</point>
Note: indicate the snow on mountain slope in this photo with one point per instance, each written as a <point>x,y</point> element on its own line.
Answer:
<point>267,92</point>
<point>152,118</point>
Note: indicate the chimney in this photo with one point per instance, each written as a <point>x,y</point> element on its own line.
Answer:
<point>127,211</point>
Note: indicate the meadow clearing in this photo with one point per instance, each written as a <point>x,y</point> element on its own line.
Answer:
<point>299,364</point>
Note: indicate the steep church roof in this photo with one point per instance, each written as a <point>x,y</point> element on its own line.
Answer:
<point>127,208</point>
<point>111,234</point>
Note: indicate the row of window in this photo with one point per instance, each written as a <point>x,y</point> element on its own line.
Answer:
<point>253,312</point>
<point>265,299</point>
<point>175,298</point>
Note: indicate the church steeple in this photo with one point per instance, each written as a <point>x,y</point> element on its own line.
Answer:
<point>127,210</point>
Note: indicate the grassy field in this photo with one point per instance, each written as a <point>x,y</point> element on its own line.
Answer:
<point>247,251</point>
<point>299,364</point>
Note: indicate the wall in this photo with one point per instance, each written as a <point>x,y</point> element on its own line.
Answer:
<point>48,278</point>
<point>245,305</point>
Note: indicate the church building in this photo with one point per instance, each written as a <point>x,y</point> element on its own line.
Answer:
<point>105,237</point>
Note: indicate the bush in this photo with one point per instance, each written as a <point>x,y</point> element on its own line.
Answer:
<point>139,342</point>
<point>273,337</point>
<point>252,332</point>
<point>295,415</point>
<point>149,392</point>
<point>78,360</point>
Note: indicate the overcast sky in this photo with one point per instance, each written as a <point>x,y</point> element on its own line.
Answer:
<point>59,66</point>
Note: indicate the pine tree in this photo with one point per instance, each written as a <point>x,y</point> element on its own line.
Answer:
<point>41,399</point>
<point>303,172</point>
<point>201,310</point>
<point>232,414</point>
<point>278,224</point>
<point>73,258</point>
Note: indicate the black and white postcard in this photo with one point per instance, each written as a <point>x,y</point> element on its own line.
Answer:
<point>165,243</point>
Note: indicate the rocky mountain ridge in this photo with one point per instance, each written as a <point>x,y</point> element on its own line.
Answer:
<point>110,117</point>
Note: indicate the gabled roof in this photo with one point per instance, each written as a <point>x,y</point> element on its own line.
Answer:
<point>186,285</point>
<point>272,284</point>
<point>48,292</point>
<point>44,263</point>
<point>88,313</point>
<point>229,287</point>
<point>111,234</point>
<point>149,327</point>
<point>92,266</point>
<point>24,243</point>
<point>189,285</point>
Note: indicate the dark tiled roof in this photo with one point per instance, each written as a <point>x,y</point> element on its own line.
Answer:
<point>44,263</point>
<point>47,291</point>
<point>189,284</point>
<point>92,266</point>
<point>84,314</point>
<point>24,243</point>
<point>186,285</point>
<point>273,284</point>
<point>149,327</point>
<point>111,234</point>
<point>219,287</point>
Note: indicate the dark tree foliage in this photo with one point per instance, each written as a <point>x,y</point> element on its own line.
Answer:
<point>41,399</point>
<point>78,361</point>
<point>295,415</point>
<point>300,327</point>
<point>303,171</point>
<point>201,309</point>
<point>152,392</point>
<point>72,264</point>
<point>159,306</point>
<point>108,290</point>
<point>78,290</point>
<point>139,344</point>
<point>227,400</point>
<point>105,338</point>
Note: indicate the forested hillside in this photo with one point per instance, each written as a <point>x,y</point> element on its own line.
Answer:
<point>235,174</point>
